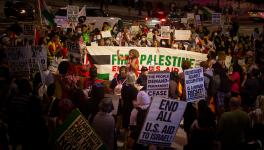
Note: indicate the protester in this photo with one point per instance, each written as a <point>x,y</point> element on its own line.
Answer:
<point>132,61</point>
<point>104,123</point>
<point>233,126</point>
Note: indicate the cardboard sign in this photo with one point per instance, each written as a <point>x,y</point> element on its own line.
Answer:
<point>72,13</point>
<point>75,134</point>
<point>190,16</point>
<point>158,84</point>
<point>182,35</point>
<point>184,20</point>
<point>134,30</point>
<point>26,60</point>
<point>74,51</point>
<point>194,84</point>
<point>162,122</point>
<point>106,34</point>
<point>216,18</point>
<point>165,32</point>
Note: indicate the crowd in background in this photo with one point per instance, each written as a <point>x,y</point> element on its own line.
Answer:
<point>231,113</point>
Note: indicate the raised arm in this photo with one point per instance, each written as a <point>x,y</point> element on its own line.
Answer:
<point>120,57</point>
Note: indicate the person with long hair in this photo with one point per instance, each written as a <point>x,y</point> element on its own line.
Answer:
<point>132,61</point>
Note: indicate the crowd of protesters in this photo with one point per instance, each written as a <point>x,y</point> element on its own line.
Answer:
<point>231,116</point>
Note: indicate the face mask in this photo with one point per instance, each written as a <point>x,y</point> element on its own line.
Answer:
<point>79,32</point>
<point>163,43</point>
<point>143,39</point>
<point>65,30</point>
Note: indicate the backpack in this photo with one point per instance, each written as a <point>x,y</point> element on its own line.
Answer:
<point>118,87</point>
<point>213,85</point>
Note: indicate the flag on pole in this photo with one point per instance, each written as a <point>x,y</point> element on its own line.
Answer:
<point>45,12</point>
<point>82,12</point>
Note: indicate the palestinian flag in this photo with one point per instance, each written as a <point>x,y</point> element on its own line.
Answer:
<point>100,60</point>
<point>45,12</point>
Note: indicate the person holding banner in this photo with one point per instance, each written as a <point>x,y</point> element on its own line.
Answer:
<point>132,61</point>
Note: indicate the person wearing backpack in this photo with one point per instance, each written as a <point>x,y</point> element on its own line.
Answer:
<point>137,118</point>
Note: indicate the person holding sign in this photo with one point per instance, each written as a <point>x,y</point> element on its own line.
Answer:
<point>132,61</point>
<point>137,118</point>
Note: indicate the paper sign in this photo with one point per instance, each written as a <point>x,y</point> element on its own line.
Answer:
<point>158,84</point>
<point>162,122</point>
<point>190,16</point>
<point>182,35</point>
<point>184,20</point>
<point>134,30</point>
<point>28,29</point>
<point>74,51</point>
<point>198,20</point>
<point>194,84</point>
<point>165,32</point>
<point>76,134</point>
<point>26,60</point>
<point>72,13</point>
<point>106,34</point>
<point>216,18</point>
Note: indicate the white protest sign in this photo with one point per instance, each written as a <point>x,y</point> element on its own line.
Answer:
<point>165,32</point>
<point>106,34</point>
<point>184,20</point>
<point>162,122</point>
<point>74,51</point>
<point>194,84</point>
<point>27,59</point>
<point>72,13</point>
<point>190,16</point>
<point>158,83</point>
<point>182,35</point>
<point>216,18</point>
<point>134,30</point>
<point>150,36</point>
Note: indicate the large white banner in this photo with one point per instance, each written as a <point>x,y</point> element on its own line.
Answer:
<point>165,59</point>
<point>194,84</point>
<point>158,83</point>
<point>162,122</point>
<point>27,59</point>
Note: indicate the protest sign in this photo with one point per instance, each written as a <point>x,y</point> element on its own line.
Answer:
<point>158,83</point>
<point>184,20</point>
<point>190,16</point>
<point>28,29</point>
<point>27,59</point>
<point>74,51</point>
<point>216,18</point>
<point>76,134</point>
<point>107,62</point>
<point>194,84</point>
<point>165,32</point>
<point>198,20</point>
<point>134,30</point>
<point>72,13</point>
<point>106,34</point>
<point>182,35</point>
<point>150,36</point>
<point>17,61</point>
<point>162,122</point>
